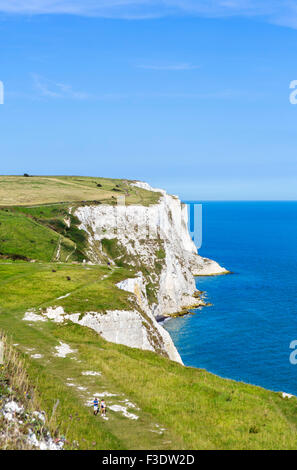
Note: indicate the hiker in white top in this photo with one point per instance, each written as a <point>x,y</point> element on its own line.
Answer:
<point>103,407</point>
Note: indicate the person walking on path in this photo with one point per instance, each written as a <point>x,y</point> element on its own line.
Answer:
<point>103,407</point>
<point>96,405</point>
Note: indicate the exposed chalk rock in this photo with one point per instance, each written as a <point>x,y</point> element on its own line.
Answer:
<point>91,372</point>
<point>152,236</point>
<point>287,395</point>
<point>128,327</point>
<point>63,350</point>
<point>156,242</point>
<point>32,317</point>
<point>206,267</point>
<point>123,410</point>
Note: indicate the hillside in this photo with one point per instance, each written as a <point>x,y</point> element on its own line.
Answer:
<point>153,403</point>
<point>35,190</point>
<point>34,216</point>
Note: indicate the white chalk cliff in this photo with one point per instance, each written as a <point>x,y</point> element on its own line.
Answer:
<point>154,240</point>
<point>129,327</point>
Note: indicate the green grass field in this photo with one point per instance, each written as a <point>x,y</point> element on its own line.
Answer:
<point>20,236</point>
<point>177,407</point>
<point>35,190</point>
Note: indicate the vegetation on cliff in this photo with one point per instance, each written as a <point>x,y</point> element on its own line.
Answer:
<point>152,402</point>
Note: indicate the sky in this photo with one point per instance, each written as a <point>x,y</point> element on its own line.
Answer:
<point>189,95</point>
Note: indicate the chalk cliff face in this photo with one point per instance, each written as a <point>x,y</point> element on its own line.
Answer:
<point>133,328</point>
<point>156,242</point>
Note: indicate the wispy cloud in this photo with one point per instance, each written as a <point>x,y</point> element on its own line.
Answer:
<point>283,12</point>
<point>51,89</point>
<point>169,67</point>
<point>56,90</point>
<point>126,9</point>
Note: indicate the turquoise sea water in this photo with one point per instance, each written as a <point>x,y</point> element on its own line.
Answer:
<point>247,332</point>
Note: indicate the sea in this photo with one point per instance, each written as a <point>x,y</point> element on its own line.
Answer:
<point>248,332</point>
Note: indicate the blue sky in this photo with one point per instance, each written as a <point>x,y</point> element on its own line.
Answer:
<point>192,96</point>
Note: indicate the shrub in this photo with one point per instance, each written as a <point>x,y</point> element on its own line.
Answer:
<point>254,430</point>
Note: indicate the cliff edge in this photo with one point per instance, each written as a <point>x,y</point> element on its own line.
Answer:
<point>154,240</point>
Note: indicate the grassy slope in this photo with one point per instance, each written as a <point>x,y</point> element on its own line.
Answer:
<point>19,190</point>
<point>20,236</point>
<point>15,385</point>
<point>197,409</point>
